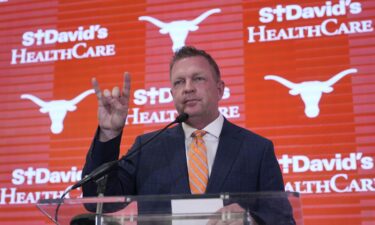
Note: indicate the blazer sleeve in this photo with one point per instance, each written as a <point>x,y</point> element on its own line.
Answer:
<point>277,209</point>
<point>270,174</point>
<point>102,152</point>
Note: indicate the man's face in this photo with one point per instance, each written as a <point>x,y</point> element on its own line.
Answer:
<point>195,88</point>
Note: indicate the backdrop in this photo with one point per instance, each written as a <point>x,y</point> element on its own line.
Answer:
<point>300,73</point>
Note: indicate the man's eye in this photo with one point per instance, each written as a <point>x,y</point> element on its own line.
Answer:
<point>178,82</point>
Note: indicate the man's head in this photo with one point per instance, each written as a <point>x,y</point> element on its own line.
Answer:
<point>196,85</point>
<point>189,51</point>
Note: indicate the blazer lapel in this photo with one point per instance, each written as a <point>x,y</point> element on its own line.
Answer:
<point>176,156</point>
<point>227,153</point>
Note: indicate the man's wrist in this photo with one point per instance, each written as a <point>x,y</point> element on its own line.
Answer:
<point>107,134</point>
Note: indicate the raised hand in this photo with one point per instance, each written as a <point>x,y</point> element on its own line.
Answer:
<point>112,108</point>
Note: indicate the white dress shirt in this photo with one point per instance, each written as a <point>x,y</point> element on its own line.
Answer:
<point>211,139</point>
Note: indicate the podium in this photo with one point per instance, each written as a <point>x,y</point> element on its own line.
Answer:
<point>270,208</point>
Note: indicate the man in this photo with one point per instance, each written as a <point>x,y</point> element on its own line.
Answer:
<point>235,159</point>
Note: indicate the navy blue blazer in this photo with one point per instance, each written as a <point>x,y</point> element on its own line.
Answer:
<point>244,162</point>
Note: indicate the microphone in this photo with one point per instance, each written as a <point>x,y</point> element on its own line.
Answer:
<point>181,118</point>
<point>107,167</point>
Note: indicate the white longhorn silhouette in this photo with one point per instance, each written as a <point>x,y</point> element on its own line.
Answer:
<point>178,30</point>
<point>311,91</point>
<point>57,109</point>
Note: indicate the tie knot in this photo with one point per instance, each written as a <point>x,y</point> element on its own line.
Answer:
<point>198,133</point>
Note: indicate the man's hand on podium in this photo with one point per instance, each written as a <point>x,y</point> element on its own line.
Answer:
<point>227,210</point>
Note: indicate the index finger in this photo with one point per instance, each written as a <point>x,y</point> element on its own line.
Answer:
<point>96,87</point>
<point>126,85</point>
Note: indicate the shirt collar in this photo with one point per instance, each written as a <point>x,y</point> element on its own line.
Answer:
<point>214,128</point>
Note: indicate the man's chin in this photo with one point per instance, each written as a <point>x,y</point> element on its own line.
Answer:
<point>191,112</point>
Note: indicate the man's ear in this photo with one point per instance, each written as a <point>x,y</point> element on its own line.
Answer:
<point>171,91</point>
<point>220,87</point>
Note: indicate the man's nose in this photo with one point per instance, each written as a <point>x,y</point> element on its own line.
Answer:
<point>189,86</point>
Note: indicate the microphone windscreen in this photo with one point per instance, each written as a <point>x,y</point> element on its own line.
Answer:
<point>182,118</point>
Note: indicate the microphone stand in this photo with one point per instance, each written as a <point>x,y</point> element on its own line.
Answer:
<point>100,174</point>
<point>101,181</point>
<point>101,185</point>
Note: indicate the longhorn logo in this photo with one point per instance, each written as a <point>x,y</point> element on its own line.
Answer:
<point>178,30</point>
<point>311,91</point>
<point>57,109</point>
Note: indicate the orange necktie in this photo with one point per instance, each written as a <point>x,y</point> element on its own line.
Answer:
<point>198,166</point>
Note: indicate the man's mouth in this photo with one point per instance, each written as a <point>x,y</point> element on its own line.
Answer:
<point>190,101</point>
